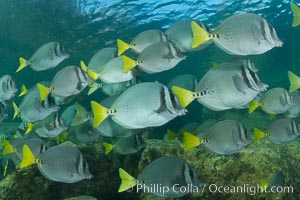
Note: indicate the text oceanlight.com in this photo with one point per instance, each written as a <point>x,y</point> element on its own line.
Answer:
<point>213,188</point>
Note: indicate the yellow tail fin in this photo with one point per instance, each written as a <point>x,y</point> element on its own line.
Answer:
<point>128,63</point>
<point>23,90</point>
<point>272,116</point>
<point>253,105</point>
<point>108,147</point>
<point>258,134</point>
<point>200,36</point>
<point>184,96</point>
<point>122,46</point>
<point>294,81</point>
<point>190,141</point>
<point>171,135</point>
<point>263,184</point>
<point>62,137</point>
<point>8,148</point>
<point>296,12</point>
<point>28,157</point>
<point>83,66</point>
<point>29,127</point>
<point>100,113</point>
<point>93,75</point>
<point>5,168</point>
<point>128,181</point>
<point>16,110</point>
<point>44,91</point>
<point>23,64</point>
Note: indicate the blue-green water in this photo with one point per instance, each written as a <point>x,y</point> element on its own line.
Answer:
<point>83,27</point>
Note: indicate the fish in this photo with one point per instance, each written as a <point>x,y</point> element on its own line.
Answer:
<point>142,41</point>
<point>147,111</point>
<point>294,81</point>
<point>274,101</point>
<point>294,111</point>
<point>59,163</point>
<point>225,137</point>
<point>169,172</point>
<point>83,133</point>
<point>125,145</point>
<point>240,34</point>
<point>32,108</point>
<point>7,167</point>
<point>230,85</point>
<point>67,82</point>
<point>4,109</point>
<point>281,131</point>
<point>296,12</point>
<point>8,88</point>
<point>117,88</point>
<point>276,181</point>
<point>158,57</point>
<point>68,114</point>
<point>181,35</point>
<point>46,57</point>
<point>186,81</point>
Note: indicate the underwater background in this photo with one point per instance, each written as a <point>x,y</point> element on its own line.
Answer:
<point>83,27</point>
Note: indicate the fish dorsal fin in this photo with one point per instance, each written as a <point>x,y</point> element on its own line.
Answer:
<point>108,147</point>
<point>190,141</point>
<point>128,63</point>
<point>23,63</point>
<point>258,134</point>
<point>122,46</point>
<point>100,113</point>
<point>171,135</point>
<point>294,81</point>
<point>200,36</point>
<point>253,105</point>
<point>184,96</point>
<point>44,91</point>
<point>16,110</point>
<point>128,181</point>
<point>296,12</point>
<point>23,90</point>
<point>29,127</point>
<point>83,66</point>
<point>28,157</point>
<point>8,148</point>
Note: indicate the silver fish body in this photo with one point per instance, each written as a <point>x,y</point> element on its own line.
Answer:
<point>37,146</point>
<point>8,88</point>
<point>129,145</point>
<point>101,57</point>
<point>186,81</point>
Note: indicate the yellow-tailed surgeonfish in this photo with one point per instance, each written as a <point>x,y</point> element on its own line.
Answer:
<point>158,57</point>
<point>276,181</point>
<point>109,127</point>
<point>186,81</point>
<point>167,172</point>
<point>274,101</point>
<point>52,126</point>
<point>67,82</point>
<point>279,132</point>
<point>155,106</point>
<point>59,163</point>
<point>7,167</point>
<point>125,145</point>
<point>118,88</point>
<point>190,127</point>
<point>83,133</point>
<point>181,35</point>
<point>32,108</point>
<point>46,57</point>
<point>225,137</point>
<point>295,110</point>
<point>296,13</point>
<point>227,86</point>
<point>240,34</point>
<point>4,110</point>
<point>8,88</point>
<point>141,41</point>
<point>68,114</point>
<point>294,81</point>
<point>16,146</point>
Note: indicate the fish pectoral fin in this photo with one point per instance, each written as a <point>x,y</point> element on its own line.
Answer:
<point>122,46</point>
<point>23,90</point>
<point>190,141</point>
<point>108,147</point>
<point>171,135</point>
<point>258,134</point>
<point>100,113</point>
<point>8,148</point>
<point>28,157</point>
<point>200,36</point>
<point>296,12</point>
<point>128,181</point>
<point>44,91</point>
<point>23,63</point>
<point>128,63</point>
<point>294,81</point>
<point>184,96</point>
